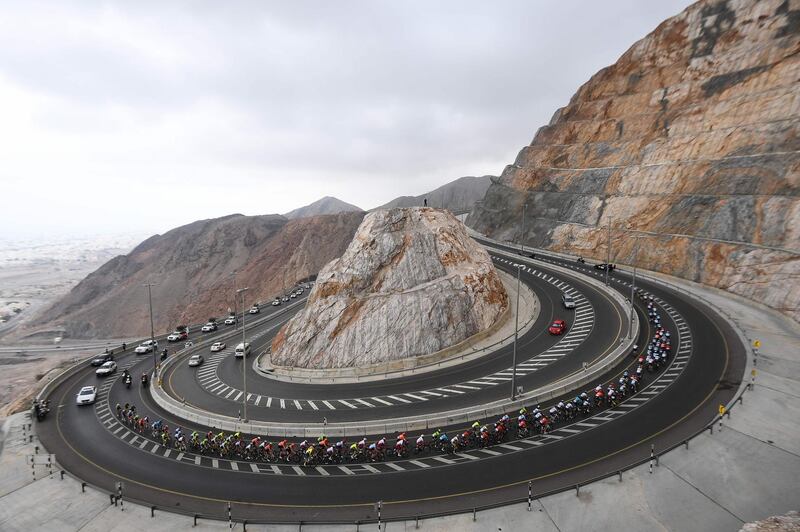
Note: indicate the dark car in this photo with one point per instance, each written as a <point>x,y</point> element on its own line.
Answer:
<point>102,358</point>
<point>602,266</point>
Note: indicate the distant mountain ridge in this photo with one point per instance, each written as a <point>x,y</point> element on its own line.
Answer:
<point>326,205</point>
<point>457,196</point>
<point>191,268</point>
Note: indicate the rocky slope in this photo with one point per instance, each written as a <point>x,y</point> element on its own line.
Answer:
<point>410,283</point>
<point>457,196</point>
<point>192,266</point>
<point>687,146</point>
<point>326,205</point>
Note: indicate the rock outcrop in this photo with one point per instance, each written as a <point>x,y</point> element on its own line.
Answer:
<point>410,283</point>
<point>191,267</point>
<point>687,147</point>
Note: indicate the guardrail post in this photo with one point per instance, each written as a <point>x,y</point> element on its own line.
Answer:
<point>62,474</point>
<point>474,515</point>
<point>416,522</point>
<point>686,443</point>
<point>620,475</point>
<point>529,496</point>
<point>577,490</point>
<point>195,520</point>
<point>244,525</point>
<point>83,487</point>
<point>152,511</point>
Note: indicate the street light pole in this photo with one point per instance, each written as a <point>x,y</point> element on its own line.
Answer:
<point>152,335</point>
<point>608,251</point>
<point>522,238</point>
<point>633,289</point>
<point>516,333</point>
<point>244,358</point>
<point>235,319</point>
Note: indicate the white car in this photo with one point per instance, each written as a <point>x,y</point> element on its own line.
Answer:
<point>177,336</point>
<point>568,301</point>
<point>195,360</point>
<point>231,320</point>
<point>86,396</point>
<point>293,295</point>
<point>242,350</point>
<point>217,346</point>
<point>300,291</point>
<point>106,369</point>
<point>276,303</point>
<point>285,299</point>
<point>147,346</point>
<point>209,327</point>
<point>254,310</point>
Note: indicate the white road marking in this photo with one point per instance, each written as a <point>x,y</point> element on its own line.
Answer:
<point>387,403</point>
<point>397,399</point>
<point>322,471</point>
<point>330,406</point>
<point>419,464</point>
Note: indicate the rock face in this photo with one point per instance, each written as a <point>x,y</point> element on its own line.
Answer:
<point>688,147</point>
<point>457,196</point>
<point>410,283</point>
<point>192,265</point>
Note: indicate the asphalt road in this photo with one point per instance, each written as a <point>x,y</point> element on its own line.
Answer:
<point>667,415</point>
<point>181,381</point>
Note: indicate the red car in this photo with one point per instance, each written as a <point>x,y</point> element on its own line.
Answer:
<point>558,327</point>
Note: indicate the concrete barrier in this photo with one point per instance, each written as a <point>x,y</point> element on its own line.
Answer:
<point>424,422</point>
<point>407,367</point>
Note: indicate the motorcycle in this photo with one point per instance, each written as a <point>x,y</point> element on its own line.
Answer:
<point>41,409</point>
<point>128,381</point>
<point>144,380</point>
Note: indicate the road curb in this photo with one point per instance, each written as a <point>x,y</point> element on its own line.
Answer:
<point>313,378</point>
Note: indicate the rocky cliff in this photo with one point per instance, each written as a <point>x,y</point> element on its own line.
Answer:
<point>410,283</point>
<point>687,147</point>
<point>191,267</point>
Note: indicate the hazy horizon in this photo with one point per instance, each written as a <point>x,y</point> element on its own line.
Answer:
<point>141,117</point>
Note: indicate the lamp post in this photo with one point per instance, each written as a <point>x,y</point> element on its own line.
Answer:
<point>152,335</point>
<point>235,319</point>
<point>633,288</point>
<point>516,334</point>
<point>522,238</point>
<point>244,357</point>
<point>608,251</point>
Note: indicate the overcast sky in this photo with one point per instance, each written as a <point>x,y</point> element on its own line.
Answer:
<point>142,116</point>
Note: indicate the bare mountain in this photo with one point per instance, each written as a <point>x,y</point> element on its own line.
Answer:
<point>688,147</point>
<point>191,267</point>
<point>457,196</point>
<point>326,205</point>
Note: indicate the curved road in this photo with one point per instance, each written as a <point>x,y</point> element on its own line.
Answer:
<point>679,401</point>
